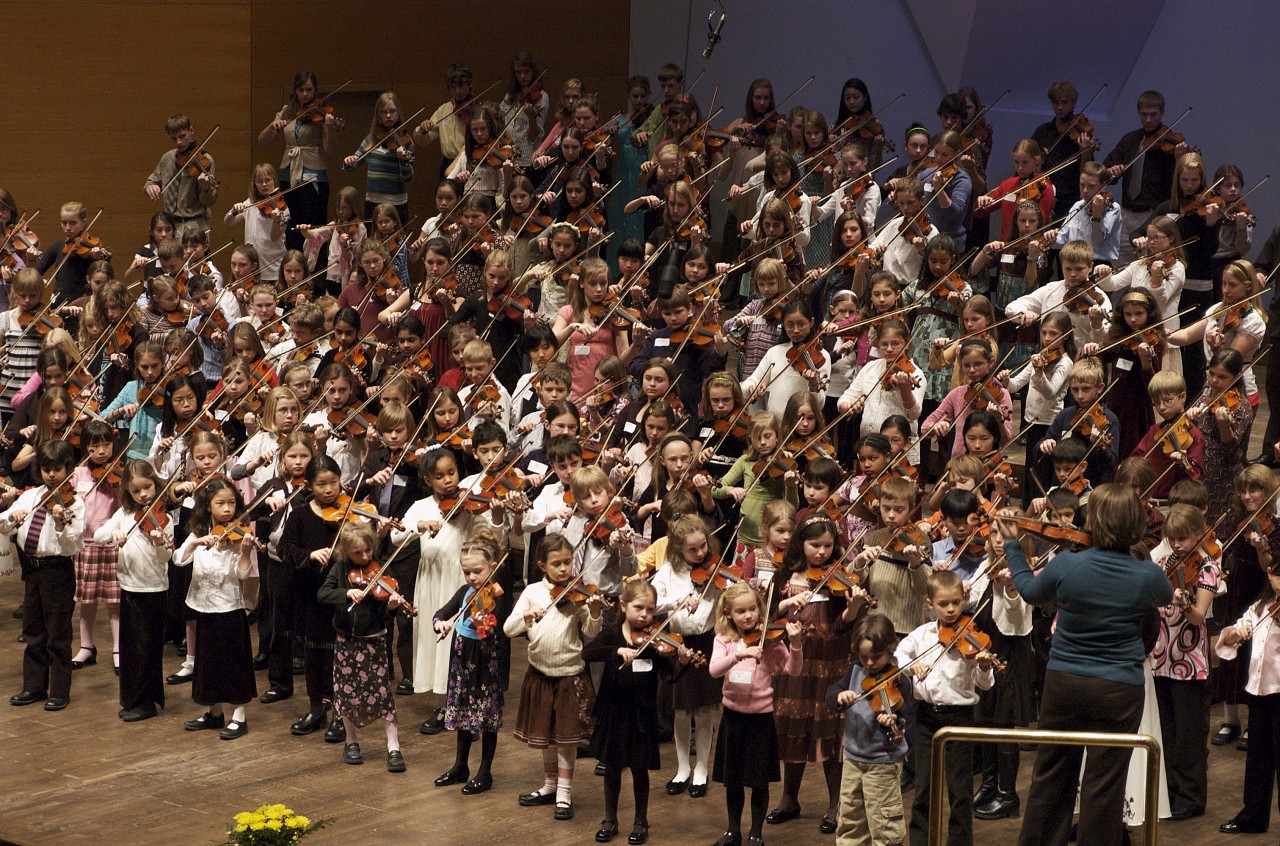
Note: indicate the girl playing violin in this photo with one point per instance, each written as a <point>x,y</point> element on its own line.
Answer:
<point>145,264</point>
<point>976,316</point>
<point>1182,661</point>
<point>981,392</point>
<point>856,192</point>
<point>873,743</point>
<point>1020,264</point>
<point>476,613</point>
<point>139,557</point>
<point>888,385</point>
<point>361,653</point>
<point>265,217</point>
<point>344,234</point>
<point>1247,562</point>
<point>1133,351</point>
<point>722,409</point>
<point>949,186</point>
<point>387,152</point>
<point>758,326</point>
<point>142,400</point>
<point>554,275</point>
<point>345,444</point>
<point>281,414</point>
<point>1044,376</point>
<point>1026,184</point>
<point>1224,416</point>
<point>683,225</point>
<point>442,524</point>
<point>872,456</point>
<point>516,223</point>
<point>362,359</point>
<point>581,325</point>
<point>852,265</point>
<point>817,180</point>
<point>245,268</point>
<point>630,156</point>
<point>657,175</point>
<point>525,107</point>
<point>56,411</point>
<point>599,528</point>
<point>1161,272</point>
<point>307,130</point>
<point>634,473</point>
<point>626,711</point>
<point>942,292</point>
<point>1235,235</point>
<point>673,469</point>
<point>557,690</point>
<point>747,746</point>
<point>474,239</point>
<point>806,732</point>
<point>752,494</point>
<point>551,172</point>
<point>502,315</point>
<point>800,364</point>
<point>183,398</point>
<point>781,182</point>
<point>372,290</point>
<point>777,522</point>
<point>224,587</point>
<point>689,607</point>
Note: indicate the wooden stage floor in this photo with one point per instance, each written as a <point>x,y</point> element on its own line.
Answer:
<point>81,776</point>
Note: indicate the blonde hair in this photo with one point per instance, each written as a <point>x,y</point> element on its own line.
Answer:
<point>898,489</point>
<point>775,512</point>
<point>679,531</point>
<point>1165,383</point>
<point>484,541</point>
<point>1183,522</point>
<point>724,620</point>
<point>770,269</point>
<point>761,421</point>
<point>1086,370</point>
<point>587,479</point>
<point>477,351</point>
<point>966,467</point>
<point>1076,252</point>
<point>354,531</point>
<point>277,395</point>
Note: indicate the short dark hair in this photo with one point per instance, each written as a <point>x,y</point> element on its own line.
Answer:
<point>958,504</point>
<point>55,455</point>
<point>824,471</point>
<point>535,336</point>
<point>561,448</point>
<point>632,248</point>
<point>1069,449</point>
<point>488,432</point>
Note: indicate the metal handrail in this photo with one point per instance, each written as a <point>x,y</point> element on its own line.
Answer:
<point>959,734</point>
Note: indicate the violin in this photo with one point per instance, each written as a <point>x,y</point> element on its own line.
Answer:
<point>1177,438</point>
<point>1078,127</point>
<point>152,394</point>
<point>1200,204</point>
<point>84,245</point>
<point>271,204</point>
<point>664,643</point>
<point>480,606</point>
<point>354,424</point>
<point>153,519</point>
<point>700,335</point>
<point>353,357</point>
<point>1150,337</point>
<point>231,534</point>
<point>1166,143</point>
<point>694,221</point>
<point>1095,420</point>
<point>907,535</point>
<point>952,283</point>
<point>1263,523</point>
<point>1230,399</point>
<point>968,640</point>
<point>921,227</point>
<point>509,305</point>
<point>585,219</point>
<point>1086,296</point>
<point>612,520</point>
<point>343,507</point>
<point>530,224</point>
<point>774,466</point>
<point>985,395</point>
<point>1184,572</point>
<point>213,323</point>
<point>771,632</point>
<point>1053,533</point>
<point>388,286</point>
<point>1235,315</point>
<point>835,579</point>
<point>995,465</point>
<point>42,325</point>
<point>316,112</point>
<point>714,570</point>
<point>576,592</point>
<point>383,587</point>
<point>731,426</point>
<point>472,503</point>
<point>486,392</point>
<point>885,697</point>
<point>531,96</point>
<point>453,439</point>
<point>901,364</point>
<point>806,358</point>
<point>496,153</point>
<point>106,474</point>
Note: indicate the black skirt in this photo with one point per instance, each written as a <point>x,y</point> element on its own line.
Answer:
<point>746,750</point>
<point>224,660</point>
<point>695,688</point>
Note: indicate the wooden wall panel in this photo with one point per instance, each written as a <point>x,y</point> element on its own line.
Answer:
<point>85,117</point>
<point>85,113</point>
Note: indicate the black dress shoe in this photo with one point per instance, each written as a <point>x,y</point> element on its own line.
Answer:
<point>675,788</point>
<point>88,662</point>
<point>57,703</point>
<point>755,840</point>
<point>697,791</point>
<point>781,815</point>
<point>234,729</point>
<point>405,688</point>
<point>564,811</point>
<point>261,662</point>
<point>137,715</point>
<point>395,761</point>
<point>639,834</point>
<point>1226,733</point>
<point>608,831</point>
<point>351,754</point>
<point>336,732</point>
<point>1236,827</point>
<point>729,839</point>
<point>986,792</point>
<point>534,800</point>
<point>827,826</point>
<point>435,725</point>
<point>1184,814</point>
<point>1242,742</point>
<point>477,785</point>
<point>180,677</point>
<point>1002,806</point>
<point>204,721</point>
<point>599,769</point>
<point>26,697</point>
<point>273,695</point>
<point>308,724</point>
<point>452,776</point>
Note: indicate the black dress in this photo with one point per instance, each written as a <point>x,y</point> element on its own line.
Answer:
<point>626,712</point>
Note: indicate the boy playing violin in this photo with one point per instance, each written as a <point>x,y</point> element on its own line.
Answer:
<point>1094,218</point>
<point>1090,310</point>
<point>1149,182</point>
<point>1070,464</point>
<point>483,394</point>
<point>1085,384</point>
<point>306,324</point>
<point>1173,444</point>
<point>187,183</point>
<point>963,549</point>
<point>892,562</point>
<point>73,255</point>
<point>210,324</point>
<point>694,350</point>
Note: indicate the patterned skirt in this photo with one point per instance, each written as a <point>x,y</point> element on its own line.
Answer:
<point>555,711</point>
<point>474,699</point>
<point>362,679</point>
<point>96,574</point>
<point>809,731</point>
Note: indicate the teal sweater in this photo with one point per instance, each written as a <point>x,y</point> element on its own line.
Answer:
<point>1102,598</point>
<point>142,425</point>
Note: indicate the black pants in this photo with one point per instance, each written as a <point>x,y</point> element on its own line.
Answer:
<point>262,614</point>
<point>1262,761</point>
<point>306,205</point>
<point>1184,725</point>
<point>1193,360</point>
<point>47,602</point>
<point>404,569</point>
<point>142,619</point>
<point>1272,359</point>
<point>316,622</point>
<point>1072,702</point>
<point>930,718</point>
<point>280,646</point>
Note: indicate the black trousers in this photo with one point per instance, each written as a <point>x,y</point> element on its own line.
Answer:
<point>404,569</point>
<point>1272,359</point>
<point>1194,363</point>
<point>930,718</point>
<point>306,205</point>
<point>1262,761</point>
<point>1184,725</point>
<point>280,646</point>
<point>1072,702</point>
<point>47,602</point>
<point>142,621</point>
<point>316,623</point>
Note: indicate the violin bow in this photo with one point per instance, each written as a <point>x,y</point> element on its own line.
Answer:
<point>393,133</point>
<point>191,157</point>
<point>1072,122</point>
<point>382,569</point>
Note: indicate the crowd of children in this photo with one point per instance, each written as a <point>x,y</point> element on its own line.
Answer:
<point>769,538</point>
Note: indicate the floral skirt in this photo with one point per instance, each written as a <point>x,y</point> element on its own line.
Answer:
<point>96,574</point>
<point>362,679</point>
<point>473,701</point>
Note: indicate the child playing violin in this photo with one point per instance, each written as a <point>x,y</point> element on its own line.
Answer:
<point>1070,458</point>
<point>341,423</point>
<point>1174,445</point>
<point>281,414</point>
<point>374,286</point>
<point>361,654</point>
<point>1161,274</point>
<point>694,348</point>
<point>963,548</point>
<point>139,555</point>
<point>1020,264</point>
<point>502,316</point>
<point>1095,217</point>
<point>800,364</point>
<point>557,689</point>
<point>477,613</point>
<point>142,400</point>
<point>755,480</point>
<point>1224,417</point>
<point>266,217</point>
<point>689,606</point>
<point>981,393</point>
<point>758,326</point>
<point>21,344</point>
<point>948,683</point>
<point>184,178</point>
<point>1026,184</point>
<point>344,235</point>
<point>867,697</point>
<point>888,385</point>
<point>1076,293</point>
<point>387,154</point>
<point>599,528</point>
<point>891,564</point>
<point>626,711</point>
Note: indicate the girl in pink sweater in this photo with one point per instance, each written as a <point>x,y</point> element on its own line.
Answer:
<point>976,363</point>
<point>747,746</point>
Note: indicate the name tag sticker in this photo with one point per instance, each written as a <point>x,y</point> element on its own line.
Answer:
<point>706,433</point>
<point>399,480</point>
<point>739,677</point>
<point>582,349</point>
<point>1124,364</point>
<point>1008,258</point>
<point>662,342</point>
<point>527,395</point>
<point>537,467</point>
<point>642,665</point>
<point>628,427</point>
